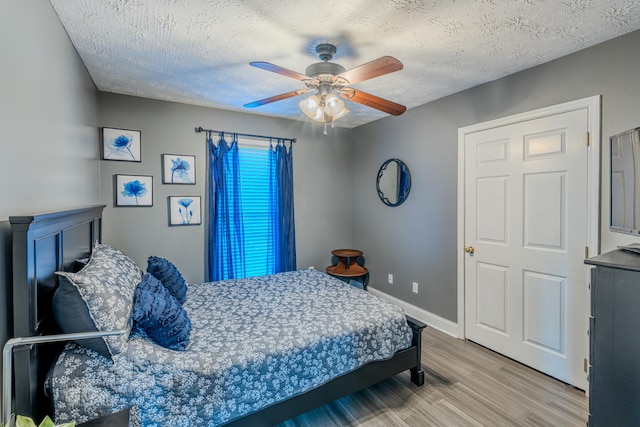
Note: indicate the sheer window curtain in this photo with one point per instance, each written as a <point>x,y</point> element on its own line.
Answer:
<point>227,246</point>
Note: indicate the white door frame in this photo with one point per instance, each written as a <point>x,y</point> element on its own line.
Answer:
<point>592,104</point>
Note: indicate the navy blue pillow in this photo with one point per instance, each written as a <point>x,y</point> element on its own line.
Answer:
<point>169,275</point>
<point>160,315</point>
<point>72,315</point>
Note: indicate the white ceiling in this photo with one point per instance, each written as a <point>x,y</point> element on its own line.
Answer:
<point>198,51</point>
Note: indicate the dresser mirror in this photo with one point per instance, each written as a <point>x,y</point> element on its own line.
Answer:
<point>394,182</point>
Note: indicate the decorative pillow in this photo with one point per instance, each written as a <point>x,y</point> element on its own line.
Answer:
<point>107,285</point>
<point>72,315</point>
<point>169,275</point>
<point>160,315</point>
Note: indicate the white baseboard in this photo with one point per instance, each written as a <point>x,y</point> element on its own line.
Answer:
<point>433,320</point>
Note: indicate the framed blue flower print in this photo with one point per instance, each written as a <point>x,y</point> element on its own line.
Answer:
<point>184,210</point>
<point>121,144</point>
<point>178,169</point>
<point>133,190</point>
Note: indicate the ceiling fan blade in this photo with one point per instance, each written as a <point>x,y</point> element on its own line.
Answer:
<point>276,98</point>
<point>279,70</point>
<point>375,68</point>
<point>373,101</point>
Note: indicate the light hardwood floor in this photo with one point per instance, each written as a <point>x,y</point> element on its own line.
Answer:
<point>465,385</point>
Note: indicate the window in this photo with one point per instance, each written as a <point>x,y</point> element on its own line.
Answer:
<point>250,209</point>
<point>256,177</point>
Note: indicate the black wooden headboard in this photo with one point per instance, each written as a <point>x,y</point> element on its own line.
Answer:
<point>43,244</point>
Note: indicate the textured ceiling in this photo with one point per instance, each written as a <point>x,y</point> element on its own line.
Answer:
<point>198,51</point>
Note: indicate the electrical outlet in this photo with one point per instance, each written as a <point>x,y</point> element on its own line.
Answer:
<point>390,279</point>
<point>415,287</point>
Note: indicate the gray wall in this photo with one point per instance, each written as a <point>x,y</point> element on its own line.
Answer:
<point>322,181</point>
<point>417,241</point>
<point>48,119</point>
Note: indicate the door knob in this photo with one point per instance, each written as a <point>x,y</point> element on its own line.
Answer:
<point>469,249</point>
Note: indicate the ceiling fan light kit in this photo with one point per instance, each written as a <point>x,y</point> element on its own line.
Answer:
<point>328,79</point>
<point>323,108</point>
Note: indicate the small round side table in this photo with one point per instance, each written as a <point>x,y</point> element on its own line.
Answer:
<point>347,268</point>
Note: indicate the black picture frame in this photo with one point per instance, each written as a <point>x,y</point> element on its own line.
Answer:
<point>122,145</point>
<point>184,210</point>
<point>179,169</point>
<point>133,191</point>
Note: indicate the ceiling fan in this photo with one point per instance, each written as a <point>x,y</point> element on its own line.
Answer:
<point>329,79</point>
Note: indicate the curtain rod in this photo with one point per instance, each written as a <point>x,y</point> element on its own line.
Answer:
<point>248,135</point>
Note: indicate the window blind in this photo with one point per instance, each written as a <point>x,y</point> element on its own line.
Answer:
<point>258,202</point>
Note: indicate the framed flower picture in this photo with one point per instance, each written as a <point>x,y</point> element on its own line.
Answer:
<point>121,144</point>
<point>133,190</point>
<point>184,210</point>
<point>178,169</point>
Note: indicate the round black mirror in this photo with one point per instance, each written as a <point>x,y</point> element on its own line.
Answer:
<point>394,182</point>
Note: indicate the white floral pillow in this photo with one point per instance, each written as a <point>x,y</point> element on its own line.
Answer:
<point>107,285</point>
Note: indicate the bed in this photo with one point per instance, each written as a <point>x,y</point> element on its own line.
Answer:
<point>243,388</point>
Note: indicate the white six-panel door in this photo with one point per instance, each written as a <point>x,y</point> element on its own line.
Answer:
<point>526,225</point>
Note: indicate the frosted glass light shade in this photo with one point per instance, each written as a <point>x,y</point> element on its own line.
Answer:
<point>342,112</point>
<point>311,106</point>
<point>333,105</point>
<point>329,108</point>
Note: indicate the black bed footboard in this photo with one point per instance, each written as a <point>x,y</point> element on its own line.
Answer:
<point>417,374</point>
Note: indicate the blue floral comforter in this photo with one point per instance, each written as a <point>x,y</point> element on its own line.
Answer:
<point>254,342</point>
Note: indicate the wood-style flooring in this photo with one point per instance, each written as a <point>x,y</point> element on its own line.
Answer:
<point>465,385</point>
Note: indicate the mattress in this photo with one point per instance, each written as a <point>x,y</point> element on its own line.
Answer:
<point>254,342</point>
